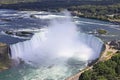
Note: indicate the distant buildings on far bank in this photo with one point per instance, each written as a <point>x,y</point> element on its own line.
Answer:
<point>114,44</point>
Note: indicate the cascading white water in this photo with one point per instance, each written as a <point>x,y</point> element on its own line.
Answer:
<point>55,45</point>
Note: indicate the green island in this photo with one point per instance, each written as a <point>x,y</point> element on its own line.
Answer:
<point>102,31</point>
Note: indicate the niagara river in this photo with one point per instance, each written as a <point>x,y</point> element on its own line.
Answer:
<point>50,46</point>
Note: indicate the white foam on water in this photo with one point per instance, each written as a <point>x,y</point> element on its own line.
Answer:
<point>55,46</point>
<point>48,16</point>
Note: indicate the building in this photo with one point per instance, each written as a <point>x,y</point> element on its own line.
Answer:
<point>114,44</point>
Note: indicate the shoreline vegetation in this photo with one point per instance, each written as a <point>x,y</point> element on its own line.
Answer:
<point>107,10</point>
<point>105,57</point>
<point>109,13</point>
<point>108,53</point>
<point>107,69</point>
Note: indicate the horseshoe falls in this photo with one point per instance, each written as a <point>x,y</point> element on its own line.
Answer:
<point>57,51</point>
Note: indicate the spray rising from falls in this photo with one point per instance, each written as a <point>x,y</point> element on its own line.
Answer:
<point>58,51</point>
<point>57,44</point>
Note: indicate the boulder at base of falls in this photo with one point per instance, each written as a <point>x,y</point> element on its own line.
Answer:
<point>4,57</point>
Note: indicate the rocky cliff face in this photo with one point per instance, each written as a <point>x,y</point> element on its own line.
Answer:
<point>4,57</point>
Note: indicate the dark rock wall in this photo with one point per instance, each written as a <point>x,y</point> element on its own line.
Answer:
<point>4,56</point>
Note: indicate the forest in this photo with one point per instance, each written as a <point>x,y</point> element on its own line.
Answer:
<point>97,9</point>
<point>108,70</point>
<point>103,12</point>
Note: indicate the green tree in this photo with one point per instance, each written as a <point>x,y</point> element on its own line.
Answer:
<point>116,58</point>
<point>111,64</point>
<point>86,75</point>
<point>108,70</point>
<point>103,69</point>
<point>101,78</point>
<point>117,69</point>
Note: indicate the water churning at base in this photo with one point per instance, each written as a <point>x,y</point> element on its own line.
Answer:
<point>59,42</point>
<point>59,50</point>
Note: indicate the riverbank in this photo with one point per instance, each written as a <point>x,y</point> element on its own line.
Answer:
<point>101,10</point>
<point>4,57</point>
<point>104,57</point>
<point>79,14</point>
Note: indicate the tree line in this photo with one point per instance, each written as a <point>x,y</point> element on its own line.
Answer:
<point>108,70</point>
<point>104,12</point>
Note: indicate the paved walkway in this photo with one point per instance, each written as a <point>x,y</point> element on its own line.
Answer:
<point>104,56</point>
<point>76,76</point>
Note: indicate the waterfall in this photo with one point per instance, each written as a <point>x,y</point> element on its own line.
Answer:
<point>59,42</point>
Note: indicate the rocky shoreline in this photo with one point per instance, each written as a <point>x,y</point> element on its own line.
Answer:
<point>5,61</point>
<point>75,13</point>
<point>109,47</point>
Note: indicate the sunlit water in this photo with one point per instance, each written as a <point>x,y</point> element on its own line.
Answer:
<point>59,68</point>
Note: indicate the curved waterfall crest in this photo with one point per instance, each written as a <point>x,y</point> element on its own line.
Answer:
<point>57,43</point>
